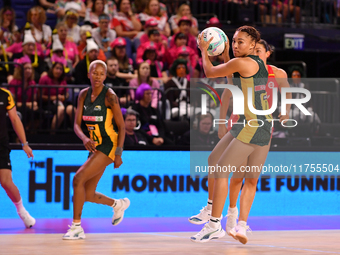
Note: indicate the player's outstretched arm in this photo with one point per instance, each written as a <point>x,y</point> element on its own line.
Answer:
<point>20,131</point>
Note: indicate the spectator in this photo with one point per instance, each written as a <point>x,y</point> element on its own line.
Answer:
<point>204,134</point>
<point>152,24</point>
<point>16,47</point>
<point>29,49</point>
<point>157,69</point>
<point>82,68</point>
<point>54,98</point>
<point>153,11</point>
<point>184,11</point>
<point>184,27</point>
<point>193,65</point>
<point>127,25</point>
<point>48,5</point>
<point>155,38</point>
<point>103,35</point>
<point>73,30</point>
<point>180,41</point>
<point>133,136</point>
<point>126,70</point>
<point>71,50</point>
<point>110,8</point>
<point>144,78</point>
<point>113,81</point>
<point>96,11</point>
<point>42,33</point>
<point>57,55</point>
<point>24,92</point>
<point>214,22</point>
<point>64,5</point>
<point>179,99</point>
<point>286,7</point>
<point>7,26</point>
<point>150,119</point>
<point>85,33</point>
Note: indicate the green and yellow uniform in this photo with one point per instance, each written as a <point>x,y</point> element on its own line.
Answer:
<point>99,121</point>
<point>258,131</point>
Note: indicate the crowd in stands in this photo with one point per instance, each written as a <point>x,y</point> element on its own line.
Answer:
<point>149,47</point>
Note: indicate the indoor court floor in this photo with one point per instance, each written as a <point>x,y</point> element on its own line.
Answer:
<point>271,235</point>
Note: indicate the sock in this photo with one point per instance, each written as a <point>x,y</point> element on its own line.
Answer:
<point>242,223</point>
<point>20,207</point>
<point>214,222</point>
<point>209,205</point>
<point>76,224</point>
<point>117,203</point>
<point>232,210</point>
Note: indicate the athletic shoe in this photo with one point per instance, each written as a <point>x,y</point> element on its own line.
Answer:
<point>207,233</point>
<point>202,217</point>
<point>240,233</point>
<point>231,221</point>
<point>118,212</point>
<point>74,233</point>
<point>28,220</point>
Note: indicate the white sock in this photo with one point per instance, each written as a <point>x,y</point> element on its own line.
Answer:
<point>76,224</point>
<point>209,205</point>
<point>20,207</point>
<point>232,210</point>
<point>118,203</point>
<point>214,222</point>
<point>242,223</point>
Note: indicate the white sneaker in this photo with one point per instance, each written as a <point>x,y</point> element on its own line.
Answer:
<point>240,233</point>
<point>118,212</point>
<point>207,233</point>
<point>74,233</point>
<point>202,217</point>
<point>28,220</point>
<point>231,221</point>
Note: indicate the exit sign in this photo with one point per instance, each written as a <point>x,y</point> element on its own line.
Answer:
<point>294,41</point>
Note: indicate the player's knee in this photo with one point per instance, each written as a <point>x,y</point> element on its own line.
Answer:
<point>77,181</point>
<point>5,182</point>
<point>251,181</point>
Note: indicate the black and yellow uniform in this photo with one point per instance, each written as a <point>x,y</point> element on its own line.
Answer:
<point>6,104</point>
<point>99,121</point>
<point>257,131</point>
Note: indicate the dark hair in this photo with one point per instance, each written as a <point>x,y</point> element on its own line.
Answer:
<point>94,4</point>
<point>251,31</point>
<point>177,62</point>
<point>124,64</point>
<point>50,72</point>
<point>293,68</point>
<point>178,35</point>
<point>265,45</point>
<point>153,32</point>
<point>119,3</point>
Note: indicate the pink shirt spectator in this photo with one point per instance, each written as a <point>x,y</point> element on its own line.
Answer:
<point>144,38</point>
<point>17,91</point>
<point>71,48</point>
<point>17,48</point>
<point>172,54</point>
<point>46,80</point>
<point>191,42</point>
<point>154,85</point>
<point>160,49</point>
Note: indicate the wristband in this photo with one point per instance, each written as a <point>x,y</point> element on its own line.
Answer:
<point>23,144</point>
<point>119,151</point>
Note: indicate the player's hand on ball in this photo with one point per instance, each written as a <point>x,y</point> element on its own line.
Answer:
<point>225,53</point>
<point>203,45</point>
<point>118,161</point>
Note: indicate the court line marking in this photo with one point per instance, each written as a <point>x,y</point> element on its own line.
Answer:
<point>259,245</point>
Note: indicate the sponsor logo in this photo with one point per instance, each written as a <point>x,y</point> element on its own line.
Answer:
<point>93,118</point>
<point>97,108</point>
